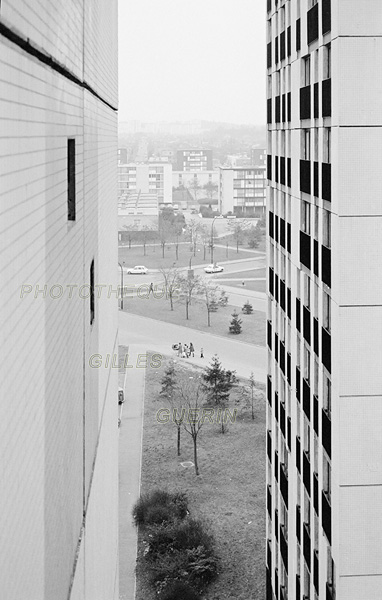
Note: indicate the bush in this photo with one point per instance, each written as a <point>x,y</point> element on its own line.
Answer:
<point>247,308</point>
<point>159,507</point>
<point>179,590</point>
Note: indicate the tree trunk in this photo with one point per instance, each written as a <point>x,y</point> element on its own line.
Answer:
<point>194,248</point>
<point>237,245</point>
<point>171,303</point>
<point>253,412</point>
<point>176,250</point>
<point>187,309</point>
<point>163,247</point>
<point>208,317</point>
<point>129,243</point>
<point>144,248</point>
<point>178,441</point>
<point>204,252</point>
<point>195,455</point>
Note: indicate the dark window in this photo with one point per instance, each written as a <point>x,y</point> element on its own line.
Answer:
<point>326,16</point>
<point>269,110</point>
<point>92,308</point>
<point>289,43</point>
<point>269,55</point>
<point>313,24</point>
<point>298,35</point>
<point>326,98</point>
<point>71,180</point>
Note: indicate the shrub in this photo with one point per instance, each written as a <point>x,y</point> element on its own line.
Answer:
<point>247,308</point>
<point>159,506</point>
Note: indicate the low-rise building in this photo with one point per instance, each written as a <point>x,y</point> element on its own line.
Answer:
<point>242,190</point>
<point>148,178</point>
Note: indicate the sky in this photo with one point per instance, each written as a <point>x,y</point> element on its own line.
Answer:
<point>182,60</point>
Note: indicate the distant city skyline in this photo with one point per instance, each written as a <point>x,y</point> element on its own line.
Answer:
<point>203,62</point>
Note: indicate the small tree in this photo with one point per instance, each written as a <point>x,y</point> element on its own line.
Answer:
<point>247,308</point>
<point>211,190</point>
<point>254,235</point>
<point>235,325</point>
<point>169,392</point>
<point>194,187</point>
<point>209,295</point>
<point>192,397</point>
<point>238,233</point>
<point>217,384</point>
<point>252,385</point>
<point>130,229</point>
<point>170,282</point>
<point>188,286</point>
<point>223,300</point>
<point>165,233</point>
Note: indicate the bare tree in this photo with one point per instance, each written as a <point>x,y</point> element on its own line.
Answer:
<point>194,187</point>
<point>238,232</point>
<point>166,231</point>
<point>170,282</point>
<point>189,287</point>
<point>169,393</point>
<point>192,398</point>
<point>194,232</point>
<point>129,229</point>
<point>211,189</point>
<point>209,295</point>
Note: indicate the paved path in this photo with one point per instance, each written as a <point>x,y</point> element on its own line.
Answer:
<point>130,449</point>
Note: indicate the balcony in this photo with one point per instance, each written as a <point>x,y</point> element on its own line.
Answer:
<point>306,398</point>
<point>282,45</point>
<point>282,170</point>
<point>305,246</point>
<point>306,323</point>
<point>298,454</point>
<point>315,492</point>
<point>326,181</point>
<point>269,389</point>
<point>277,109</point>
<point>269,110</point>
<point>269,443</point>
<point>269,55</point>
<point>326,265</point>
<point>326,16</point>
<point>306,471</point>
<point>326,349</point>
<point>269,166</point>
<point>284,485</point>
<point>306,545</point>
<point>284,548</point>
<point>313,24</point>
<point>269,500</point>
<point>269,335</point>
<point>326,432</point>
<point>298,523</point>
<point>315,414</point>
<point>305,102</point>
<point>298,35</point>
<point>315,101</point>
<point>315,258</point>
<point>326,517</point>
<point>305,176</point>
<point>327,98</point>
<point>315,179</point>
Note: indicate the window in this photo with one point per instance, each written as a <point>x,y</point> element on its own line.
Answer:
<point>326,476</point>
<point>305,217</point>
<point>92,307</point>
<point>306,437</point>
<point>306,509</point>
<point>71,179</point>
<point>316,375</point>
<point>326,310</point>
<point>305,71</point>
<point>326,147</point>
<point>316,221</point>
<point>306,290</point>
<point>327,59</point>
<point>316,66</point>
<point>327,393</point>
<point>306,363</point>
<point>326,227</point>
<point>305,144</point>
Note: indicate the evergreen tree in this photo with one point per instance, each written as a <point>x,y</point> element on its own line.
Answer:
<point>235,326</point>
<point>247,308</point>
<point>168,382</point>
<point>217,384</point>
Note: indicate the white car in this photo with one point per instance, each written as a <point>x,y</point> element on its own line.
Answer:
<point>138,270</point>
<point>213,269</point>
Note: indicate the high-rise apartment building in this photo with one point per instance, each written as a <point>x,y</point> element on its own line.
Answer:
<point>59,416</point>
<point>324,391</point>
<point>148,178</point>
<point>196,159</point>
<point>242,190</point>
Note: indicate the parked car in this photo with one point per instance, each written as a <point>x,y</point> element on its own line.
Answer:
<point>121,397</point>
<point>213,269</point>
<point>138,270</point>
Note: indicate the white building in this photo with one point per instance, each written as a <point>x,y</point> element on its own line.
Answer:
<point>242,190</point>
<point>59,416</point>
<point>149,178</point>
<point>324,413</point>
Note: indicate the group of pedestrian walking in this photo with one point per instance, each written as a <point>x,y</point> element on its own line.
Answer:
<point>187,350</point>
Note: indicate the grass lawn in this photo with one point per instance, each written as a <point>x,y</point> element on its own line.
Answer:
<point>154,259</point>
<point>254,286</point>
<point>229,492</point>
<point>159,308</point>
<point>236,275</point>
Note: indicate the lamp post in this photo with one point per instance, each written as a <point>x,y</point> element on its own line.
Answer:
<point>212,240</point>
<point>121,285</point>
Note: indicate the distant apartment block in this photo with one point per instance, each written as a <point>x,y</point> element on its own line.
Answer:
<point>324,324</point>
<point>148,178</point>
<point>59,416</point>
<point>242,190</point>
<point>258,156</point>
<point>194,160</point>
<point>122,155</point>
<point>138,211</point>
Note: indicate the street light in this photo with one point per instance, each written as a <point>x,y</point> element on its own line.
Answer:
<point>212,240</point>
<point>121,285</point>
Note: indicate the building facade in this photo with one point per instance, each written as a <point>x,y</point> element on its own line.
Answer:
<point>242,190</point>
<point>59,416</point>
<point>194,160</point>
<point>258,156</point>
<point>324,389</point>
<point>148,178</point>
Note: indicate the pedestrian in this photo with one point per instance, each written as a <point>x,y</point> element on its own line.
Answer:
<point>243,283</point>
<point>151,288</point>
<point>180,350</point>
<point>186,350</point>
<point>201,353</point>
<point>192,350</point>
